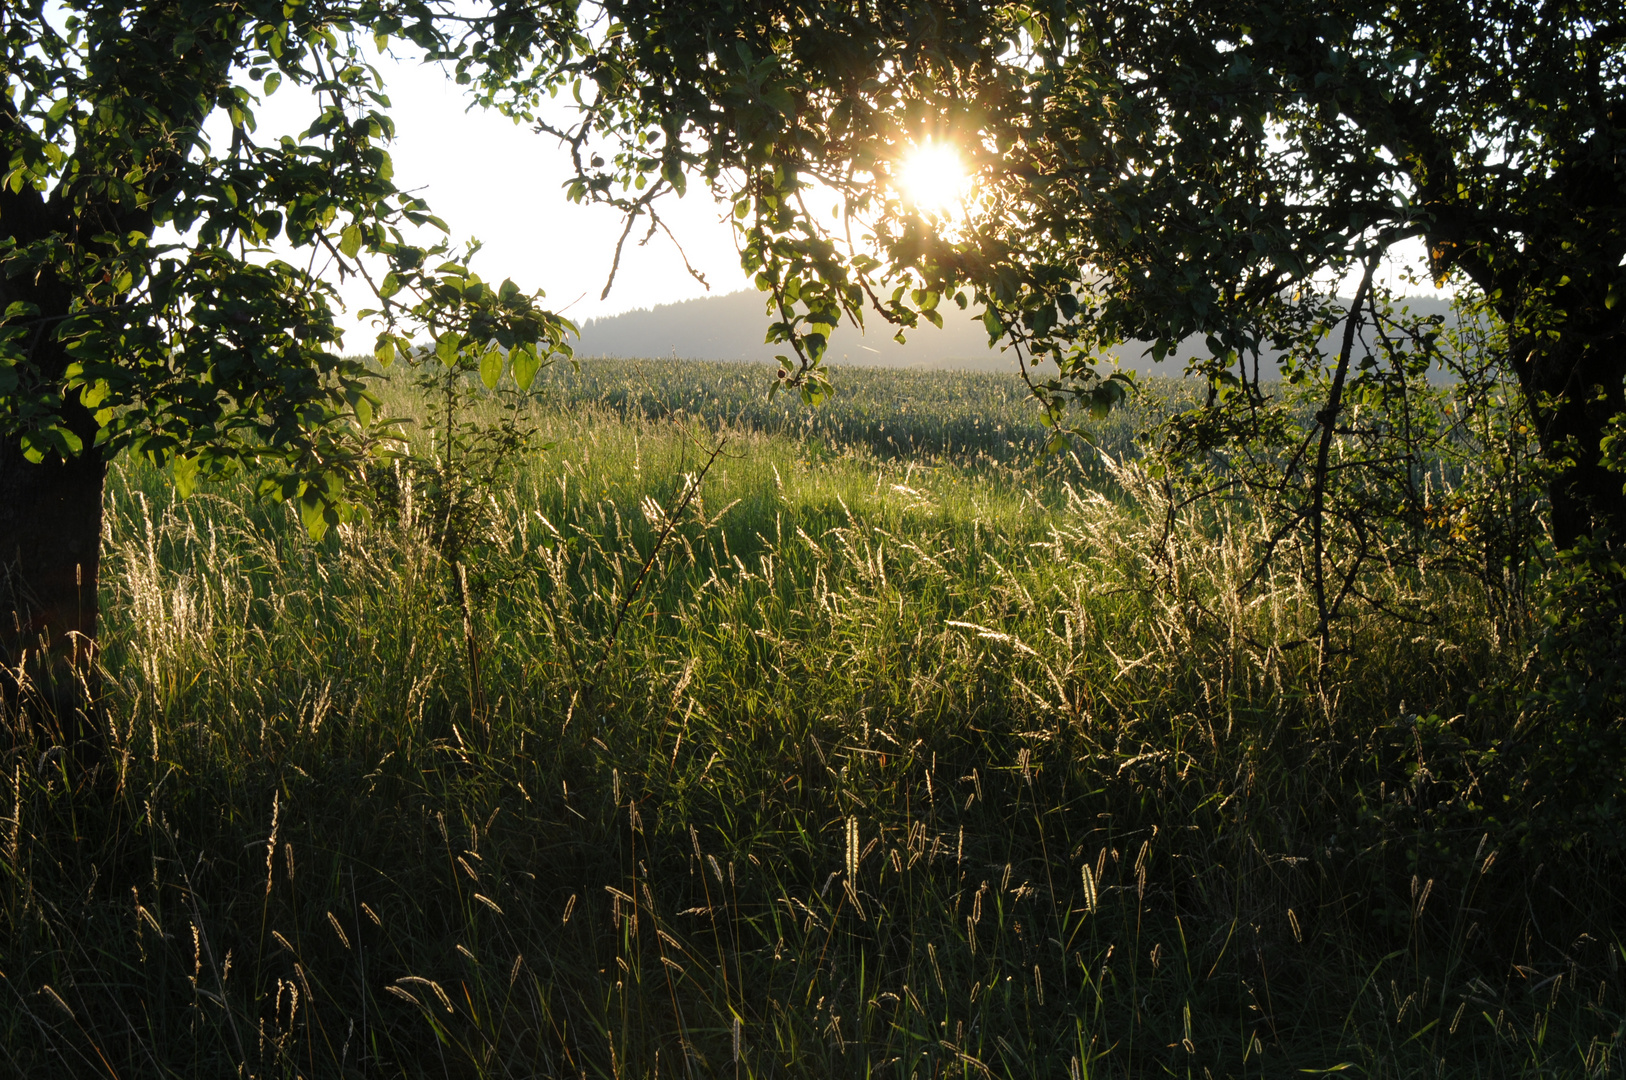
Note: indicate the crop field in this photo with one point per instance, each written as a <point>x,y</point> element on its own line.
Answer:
<point>860,741</point>
<point>891,414</point>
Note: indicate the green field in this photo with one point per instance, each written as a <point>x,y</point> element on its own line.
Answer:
<point>915,753</point>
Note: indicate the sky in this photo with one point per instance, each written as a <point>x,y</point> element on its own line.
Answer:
<point>501,183</point>
<point>498,181</point>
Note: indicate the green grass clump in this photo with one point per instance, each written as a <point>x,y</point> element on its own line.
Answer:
<point>915,762</point>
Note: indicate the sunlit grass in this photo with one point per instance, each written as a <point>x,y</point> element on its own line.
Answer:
<point>910,760</point>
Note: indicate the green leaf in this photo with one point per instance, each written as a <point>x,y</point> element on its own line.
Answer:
<point>36,444</point>
<point>94,393</point>
<point>185,472</point>
<point>491,367</point>
<point>385,353</point>
<point>314,514</point>
<point>447,347</point>
<point>350,241</point>
<point>526,363</point>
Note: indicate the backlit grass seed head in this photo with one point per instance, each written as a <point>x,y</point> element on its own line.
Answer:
<point>56,999</point>
<point>271,841</point>
<point>15,824</point>
<point>404,995</point>
<point>429,984</point>
<point>1422,897</point>
<point>852,848</point>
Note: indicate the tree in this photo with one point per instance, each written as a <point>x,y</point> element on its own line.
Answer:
<point>1240,153</point>
<point>146,305</point>
<point>1193,172</point>
<point>1199,171</point>
<point>153,300</point>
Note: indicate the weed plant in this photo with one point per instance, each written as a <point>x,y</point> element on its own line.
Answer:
<point>942,759</point>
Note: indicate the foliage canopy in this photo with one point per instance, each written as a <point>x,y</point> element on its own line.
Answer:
<point>1199,174</point>
<point>177,297</point>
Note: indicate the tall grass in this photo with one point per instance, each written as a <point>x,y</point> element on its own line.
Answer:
<point>917,763</point>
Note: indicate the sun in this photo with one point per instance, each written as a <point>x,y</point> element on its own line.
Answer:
<point>932,179</point>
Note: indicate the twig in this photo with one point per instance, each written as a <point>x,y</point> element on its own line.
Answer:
<point>1328,418</point>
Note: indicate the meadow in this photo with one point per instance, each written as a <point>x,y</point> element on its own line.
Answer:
<point>911,751</point>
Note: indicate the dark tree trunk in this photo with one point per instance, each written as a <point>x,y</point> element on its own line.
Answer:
<point>51,511</point>
<point>50,526</point>
<point>50,534</point>
<point>1574,388</point>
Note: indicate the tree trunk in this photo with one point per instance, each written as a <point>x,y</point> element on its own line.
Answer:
<point>50,537</point>
<point>50,525</point>
<point>1574,388</point>
<point>51,511</point>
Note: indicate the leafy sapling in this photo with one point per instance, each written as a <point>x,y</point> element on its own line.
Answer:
<point>476,423</point>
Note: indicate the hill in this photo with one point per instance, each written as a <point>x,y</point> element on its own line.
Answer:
<point>732,327</point>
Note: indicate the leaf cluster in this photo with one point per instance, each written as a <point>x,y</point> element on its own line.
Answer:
<point>177,297</point>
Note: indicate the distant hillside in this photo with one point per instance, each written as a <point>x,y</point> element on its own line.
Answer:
<point>731,327</point>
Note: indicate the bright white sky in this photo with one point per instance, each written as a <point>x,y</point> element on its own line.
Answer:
<point>501,183</point>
